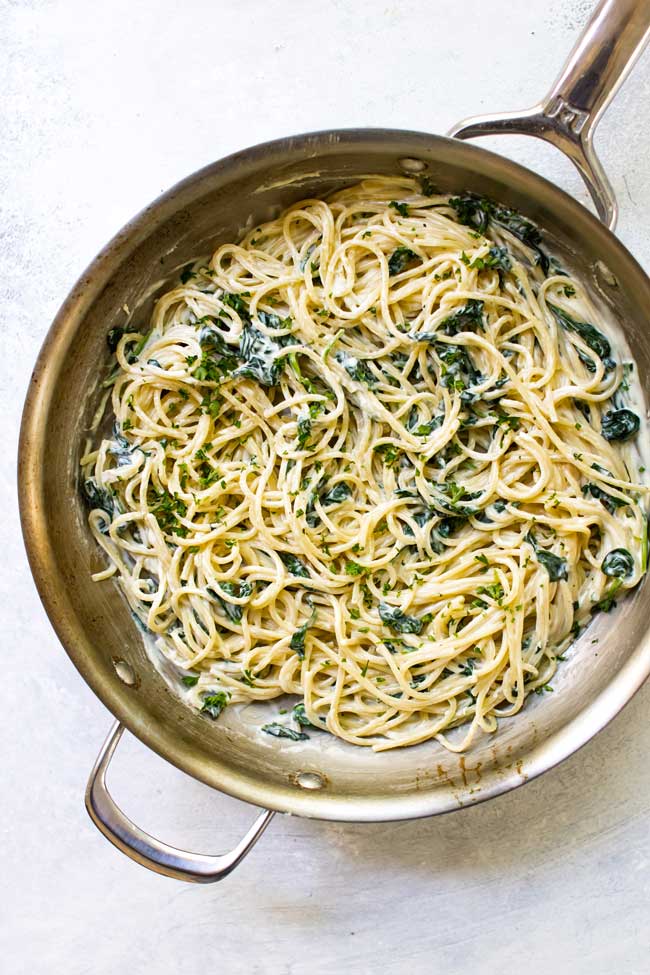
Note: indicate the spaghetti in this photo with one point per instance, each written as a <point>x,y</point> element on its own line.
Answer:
<point>377,455</point>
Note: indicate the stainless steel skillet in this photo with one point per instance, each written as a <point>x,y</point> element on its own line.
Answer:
<point>322,778</point>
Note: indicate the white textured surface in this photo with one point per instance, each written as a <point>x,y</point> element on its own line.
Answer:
<point>102,107</point>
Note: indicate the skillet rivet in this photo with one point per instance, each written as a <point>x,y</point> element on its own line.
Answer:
<point>607,276</point>
<point>310,780</point>
<point>124,671</point>
<point>412,165</point>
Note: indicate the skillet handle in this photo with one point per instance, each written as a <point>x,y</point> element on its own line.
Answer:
<point>594,71</point>
<point>145,849</point>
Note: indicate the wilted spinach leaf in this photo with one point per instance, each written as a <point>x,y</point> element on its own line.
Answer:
<point>294,565</point>
<point>555,565</point>
<point>218,358</point>
<point>356,368</point>
<point>297,642</point>
<point>472,210</point>
<point>284,731</point>
<point>447,527</point>
<point>269,320</point>
<point>421,518</point>
<point>261,355</point>
<point>428,188</point>
<point>590,335</point>
<point>412,419</point>
<point>523,229</point>
<point>619,562</point>
<point>236,302</point>
<point>299,715</point>
<point>595,491</point>
<point>400,259</point>
<point>398,620</point>
<point>455,498</point>
<point>97,497</point>
<point>477,212</point>
<point>458,371</point>
<point>304,430</point>
<point>113,337</point>
<point>619,425</point>
<point>608,602</point>
<point>187,273</point>
<point>242,590</point>
<point>465,319</point>
<point>424,429</point>
<point>338,493</point>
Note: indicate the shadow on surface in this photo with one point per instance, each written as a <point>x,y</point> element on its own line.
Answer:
<point>596,791</point>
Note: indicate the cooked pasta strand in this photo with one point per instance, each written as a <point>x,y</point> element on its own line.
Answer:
<point>377,455</point>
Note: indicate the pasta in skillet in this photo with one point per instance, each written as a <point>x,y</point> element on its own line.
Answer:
<point>378,455</point>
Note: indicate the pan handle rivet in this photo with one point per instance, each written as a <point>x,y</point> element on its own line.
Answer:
<point>310,780</point>
<point>607,277</point>
<point>125,672</point>
<point>412,165</point>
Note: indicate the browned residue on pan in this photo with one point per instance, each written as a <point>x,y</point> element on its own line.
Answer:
<point>471,775</point>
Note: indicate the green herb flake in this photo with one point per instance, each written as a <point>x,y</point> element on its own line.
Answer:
<point>213,703</point>
<point>401,208</point>
<point>354,569</point>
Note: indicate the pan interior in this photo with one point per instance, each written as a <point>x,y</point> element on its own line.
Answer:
<point>321,777</point>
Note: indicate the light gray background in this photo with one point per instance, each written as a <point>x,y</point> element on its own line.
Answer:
<point>103,106</point>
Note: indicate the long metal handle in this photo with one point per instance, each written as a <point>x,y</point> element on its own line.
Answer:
<point>594,71</point>
<point>147,850</point>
